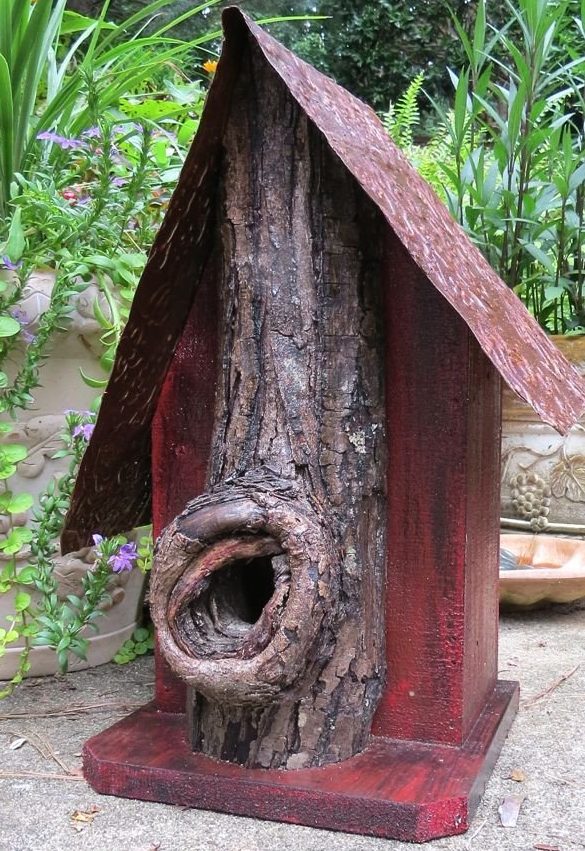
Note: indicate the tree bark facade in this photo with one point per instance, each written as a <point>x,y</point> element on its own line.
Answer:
<point>267,591</point>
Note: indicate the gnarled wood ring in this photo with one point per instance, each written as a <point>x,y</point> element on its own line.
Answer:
<point>240,591</point>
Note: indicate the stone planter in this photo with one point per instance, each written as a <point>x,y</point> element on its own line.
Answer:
<point>543,473</point>
<point>119,620</point>
<point>38,428</point>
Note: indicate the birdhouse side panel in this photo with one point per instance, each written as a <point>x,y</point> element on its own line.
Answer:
<point>181,437</point>
<point>442,516</point>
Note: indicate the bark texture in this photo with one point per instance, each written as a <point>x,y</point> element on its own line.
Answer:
<point>268,590</point>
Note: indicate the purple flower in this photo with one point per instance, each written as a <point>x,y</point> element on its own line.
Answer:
<point>85,431</point>
<point>61,141</point>
<point>92,133</point>
<point>23,320</point>
<point>124,559</point>
<point>8,264</point>
<point>97,542</point>
<point>119,181</point>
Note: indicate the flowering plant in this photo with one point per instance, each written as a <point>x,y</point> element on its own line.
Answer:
<point>57,68</point>
<point>45,619</point>
<point>90,219</point>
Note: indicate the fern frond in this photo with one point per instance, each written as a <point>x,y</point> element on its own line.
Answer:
<point>402,117</point>
<point>407,114</point>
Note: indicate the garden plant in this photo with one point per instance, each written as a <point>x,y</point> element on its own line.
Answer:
<point>508,158</point>
<point>94,119</point>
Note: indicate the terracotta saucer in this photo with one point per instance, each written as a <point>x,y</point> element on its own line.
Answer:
<point>547,569</point>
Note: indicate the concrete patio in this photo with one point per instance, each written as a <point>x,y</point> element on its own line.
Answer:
<point>45,807</point>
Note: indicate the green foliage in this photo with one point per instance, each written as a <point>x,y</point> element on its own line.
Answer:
<point>509,159</point>
<point>402,118</point>
<point>93,192</point>
<point>59,70</point>
<point>141,643</point>
<point>145,553</point>
<point>375,48</point>
<point>45,619</point>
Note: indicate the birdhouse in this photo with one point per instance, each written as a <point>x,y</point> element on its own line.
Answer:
<point>306,401</point>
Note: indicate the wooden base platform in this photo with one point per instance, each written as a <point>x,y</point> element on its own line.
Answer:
<point>394,789</point>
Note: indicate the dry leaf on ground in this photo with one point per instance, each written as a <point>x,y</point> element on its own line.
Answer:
<point>81,818</point>
<point>517,775</point>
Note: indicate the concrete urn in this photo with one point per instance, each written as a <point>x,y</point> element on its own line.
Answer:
<point>38,428</point>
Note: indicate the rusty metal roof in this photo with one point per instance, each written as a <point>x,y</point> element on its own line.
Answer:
<point>113,488</point>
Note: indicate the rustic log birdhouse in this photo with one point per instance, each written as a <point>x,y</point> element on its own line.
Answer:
<point>307,394</point>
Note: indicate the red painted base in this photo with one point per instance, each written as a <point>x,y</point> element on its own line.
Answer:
<point>394,789</point>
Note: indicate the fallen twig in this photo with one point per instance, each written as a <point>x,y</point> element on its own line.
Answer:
<point>562,679</point>
<point>44,747</point>
<point>39,775</point>
<point>73,710</point>
<point>479,829</point>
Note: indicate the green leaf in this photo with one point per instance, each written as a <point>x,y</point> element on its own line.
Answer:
<point>577,178</point>
<point>15,503</point>
<point>551,293</point>
<point>140,634</point>
<point>152,110</point>
<point>80,646</point>
<point>479,31</point>
<point>63,660</point>
<point>13,452</point>
<point>64,643</point>
<point>8,326</point>
<point>543,258</point>
<point>93,382</point>
<point>187,131</point>
<point>99,261</point>
<point>14,247</point>
<point>74,22</point>
<point>27,575</point>
<point>61,453</point>
<point>22,601</point>
<point>103,321</point>
<point>15,540</point>
<point>6,130</point>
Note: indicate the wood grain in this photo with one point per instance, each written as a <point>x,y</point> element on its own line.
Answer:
<point>443,530</point>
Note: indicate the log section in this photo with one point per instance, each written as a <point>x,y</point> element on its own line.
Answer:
<point>267,591</point>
